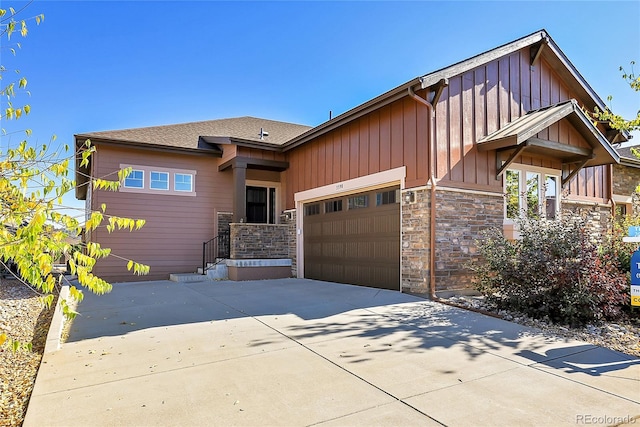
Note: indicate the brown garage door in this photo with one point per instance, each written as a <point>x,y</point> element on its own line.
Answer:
<point>354,239</point>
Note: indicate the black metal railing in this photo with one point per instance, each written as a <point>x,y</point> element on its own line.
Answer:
<point>215,250</point>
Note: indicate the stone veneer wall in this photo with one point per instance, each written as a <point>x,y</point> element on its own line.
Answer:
<point>597,217</point>
<point>224,219</point>
<point>625,180</point>
<point>290,221</point>
<point>414,246</point>
<point>259,241</point>
<point>460,218</point>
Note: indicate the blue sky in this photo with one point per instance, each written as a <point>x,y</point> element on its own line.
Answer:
<point>101,65</point>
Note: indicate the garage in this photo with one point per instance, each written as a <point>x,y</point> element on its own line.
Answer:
<point>354,239</point>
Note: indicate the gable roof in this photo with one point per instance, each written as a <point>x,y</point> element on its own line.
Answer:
<point>520,134</point>
<point>542,46</point>
<point>199,135</point>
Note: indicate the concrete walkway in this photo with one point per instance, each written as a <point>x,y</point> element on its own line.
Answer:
<point>302,352</point>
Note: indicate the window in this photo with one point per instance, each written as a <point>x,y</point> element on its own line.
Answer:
<point>333,206</point>
<point>531,194</point>
<point>388,197</point>
<point>312,209</point>
<point>159,181</point>
<point>135,179</point>
<point>261,205</point>
<point>183,182</point>
<point>357,202</point>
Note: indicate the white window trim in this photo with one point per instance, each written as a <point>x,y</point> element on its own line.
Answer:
<point>134,169</point>
<point>191,183</point>
<point>146,179</point>
<point>544,172</point>
<point>160,172</point>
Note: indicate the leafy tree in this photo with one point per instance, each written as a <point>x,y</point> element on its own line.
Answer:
<point>619,122</point>
<point>35,229</point>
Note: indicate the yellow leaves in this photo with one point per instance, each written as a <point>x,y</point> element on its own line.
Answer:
<point>3,338</point>
<point>94,221</point>
<point>47,300</point>
<point>67,311</point>
<point>124,223</point>
<point>86,153</point>
<point>95,251</point>
<point>124,173</point>
<point>104,184</point>
<point>76,294</point>
<point>138,269</point>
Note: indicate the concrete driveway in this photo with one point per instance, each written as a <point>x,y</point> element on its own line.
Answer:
<point>302,352</point>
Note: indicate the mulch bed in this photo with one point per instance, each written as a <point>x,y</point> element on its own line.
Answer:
<point>22,318</point>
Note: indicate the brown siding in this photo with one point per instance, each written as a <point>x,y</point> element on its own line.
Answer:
<point>392,136</point>
<point>256,154</point>
<point>473,105</point>
<point>176,226</point>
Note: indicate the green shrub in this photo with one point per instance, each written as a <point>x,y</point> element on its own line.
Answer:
<point>552,272</point>
<point>613,245</point>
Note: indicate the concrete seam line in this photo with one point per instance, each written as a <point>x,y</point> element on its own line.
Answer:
<point>346,370</point>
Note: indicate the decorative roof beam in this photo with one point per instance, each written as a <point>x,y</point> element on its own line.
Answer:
<point>568,178</point>
<point>438,89</point>
<point>536,49</point>
<point>501,167</point>
<point>560,147</point>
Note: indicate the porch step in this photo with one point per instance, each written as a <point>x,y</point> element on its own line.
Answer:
<point>214,272</point>
<point>188,277</point>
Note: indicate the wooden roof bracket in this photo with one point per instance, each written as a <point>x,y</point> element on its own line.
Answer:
<point>573,173</point>
<point>501,167</point>
<point>438,88</point>
<point>536,49</point>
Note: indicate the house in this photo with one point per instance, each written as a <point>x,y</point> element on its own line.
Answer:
<point>393,193</point>
<point>626,178</point>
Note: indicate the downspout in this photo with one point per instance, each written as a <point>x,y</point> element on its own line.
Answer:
<point>432,180</point>
<point>432,222</point>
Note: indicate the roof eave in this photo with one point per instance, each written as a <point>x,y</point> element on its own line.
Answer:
<point>359,111</point>
<point>126,143</point>
<point>482,58</point>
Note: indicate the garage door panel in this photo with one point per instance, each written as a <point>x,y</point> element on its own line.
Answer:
<point>358,246</point>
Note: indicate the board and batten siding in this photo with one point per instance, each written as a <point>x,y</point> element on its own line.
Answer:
<point>176,225</point>
<point>473,105</point>
<point>483,100</point>
<point>387,138</point>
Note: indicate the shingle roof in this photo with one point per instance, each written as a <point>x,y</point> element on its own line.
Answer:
<point>186,135</point>
<point>626,151</point>
<point>519,132</point>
